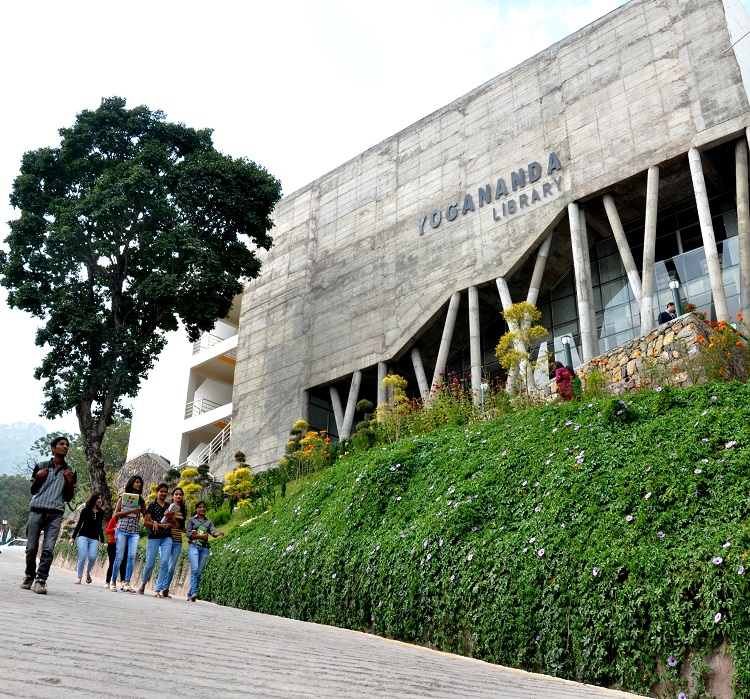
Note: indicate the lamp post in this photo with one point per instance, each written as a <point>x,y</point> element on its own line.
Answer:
<point>565,339</point>
<point>675,285</point>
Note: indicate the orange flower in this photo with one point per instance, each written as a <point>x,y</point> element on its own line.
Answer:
<point>738,343</point>
<point>674,368</point>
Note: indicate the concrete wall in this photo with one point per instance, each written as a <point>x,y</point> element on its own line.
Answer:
<point>350,281</point>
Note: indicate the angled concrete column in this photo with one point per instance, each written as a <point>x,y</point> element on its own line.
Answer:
<point>649,251</point>
<point>743,225</point>
<point>475,349</point>
<point>382,373</point>
<point>416,360</point>
<point>584,290</point>
<point>628,262</point>
<point>505,299</point>
<point>507,302</point>
<point>351,404</point>
<point>707,232</point>
<point>445,341</point>
<point>338,413</point>
<point>538,273</point>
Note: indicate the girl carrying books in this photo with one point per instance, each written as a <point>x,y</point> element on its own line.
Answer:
<point>130,506</point>
<point>198,529</point>
<point>178,527</point>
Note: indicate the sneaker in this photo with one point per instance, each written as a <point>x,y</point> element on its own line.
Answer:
<point>113,587</point>
<point>40,587</point>
<point>28,581</point>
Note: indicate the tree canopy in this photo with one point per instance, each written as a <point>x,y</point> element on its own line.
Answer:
<point>131,225</point>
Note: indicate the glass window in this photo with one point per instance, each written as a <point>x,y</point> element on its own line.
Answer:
<point>564,310</point>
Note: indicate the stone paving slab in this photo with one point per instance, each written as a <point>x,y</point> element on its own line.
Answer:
<point>85,641</point>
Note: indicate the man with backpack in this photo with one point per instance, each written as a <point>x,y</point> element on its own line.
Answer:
<point>52,485</point>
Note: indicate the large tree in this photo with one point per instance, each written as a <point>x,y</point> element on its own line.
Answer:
<point>129,226</point>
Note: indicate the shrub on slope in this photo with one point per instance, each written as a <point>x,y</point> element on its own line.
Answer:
<point>602,542</point>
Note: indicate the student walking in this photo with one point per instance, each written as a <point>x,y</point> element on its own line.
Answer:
<point>178,527</point>
<point>52,485</point>
<point>112,552</point>
<point>158,520</point>
<point>197,530</point>
<point>89,533</point>
<point>130,506</point>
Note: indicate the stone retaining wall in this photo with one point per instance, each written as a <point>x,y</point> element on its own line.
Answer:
<point>663,357</point>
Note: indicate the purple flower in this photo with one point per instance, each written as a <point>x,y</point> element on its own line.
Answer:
<point>595,572</point>
<point>681,695</point>
<point>398,499</point>
<point>671,661</point>
<point>538,508</point>
<point>647,496</point>
<point>473,529</point>
<point>741,570</point>
<point>429,556</point>
<point>526,549</point>
<point>727,545</point>
<point>705,439</point>
<point>658,389</point>
<point>661,535</point>
<point>717,617</point>
<point>540,553</point>
<point>538,637</point>
<point>697,471</point>
<point>717,560</point>
<point>453,577</point>
<point>629,518</point>
<point>484,441</point>
<point>393,468</point>
<point>470,557</point>
<point>619,412</point>
<point>532,539</point>
<point>729,445</point>
<point>714,398</point>
<point>334,575</point>
<point>525,483</point>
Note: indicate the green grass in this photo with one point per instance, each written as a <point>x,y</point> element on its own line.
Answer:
<point>484,540</point>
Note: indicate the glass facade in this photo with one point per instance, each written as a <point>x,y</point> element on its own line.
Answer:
<point>679,256</point>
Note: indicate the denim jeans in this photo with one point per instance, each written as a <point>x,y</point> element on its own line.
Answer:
<point>49,524</point>
<point>197,556</point>
<point>163,547</point>
<point>87,548</point>
<point>125,541</point>
<point>173,558</point>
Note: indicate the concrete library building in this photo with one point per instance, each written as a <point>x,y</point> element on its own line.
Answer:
<point>594,180</point>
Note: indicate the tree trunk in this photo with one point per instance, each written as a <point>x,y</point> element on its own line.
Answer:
<point>92,436</point>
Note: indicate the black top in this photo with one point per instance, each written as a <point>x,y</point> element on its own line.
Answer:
<point>157,512</point>
<point>90,524</point>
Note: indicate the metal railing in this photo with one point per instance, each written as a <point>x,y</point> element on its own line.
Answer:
<point>216,445</point>
<point>200,406</point>
<point>206,341</point>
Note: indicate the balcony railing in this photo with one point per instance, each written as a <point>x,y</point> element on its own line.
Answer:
<point>216,445</point>
<point>200,406</point>
<point>206,341</point>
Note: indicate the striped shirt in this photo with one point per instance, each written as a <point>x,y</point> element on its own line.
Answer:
<point>50,495</point>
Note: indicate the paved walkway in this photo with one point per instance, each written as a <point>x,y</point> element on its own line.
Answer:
<point>85,641</point>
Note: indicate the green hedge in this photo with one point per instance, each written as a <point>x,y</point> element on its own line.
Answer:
<point>576,540</point>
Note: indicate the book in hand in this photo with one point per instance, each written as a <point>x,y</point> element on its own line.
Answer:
<point>172,508</point>
<point>130,500</point>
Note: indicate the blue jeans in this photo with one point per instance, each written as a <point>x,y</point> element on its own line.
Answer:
<point>173,558</point>
<point>50,524</point>
<point>197,555</point>
<point>87,548</point>
<point>123,541</point>
<point>163,547</point>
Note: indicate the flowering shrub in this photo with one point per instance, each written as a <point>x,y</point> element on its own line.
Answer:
<point>552,539</point>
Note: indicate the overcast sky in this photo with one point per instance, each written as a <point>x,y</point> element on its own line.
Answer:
<point>298,87</point>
